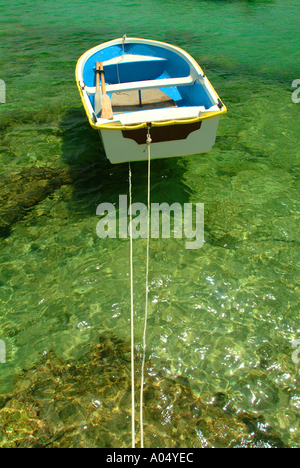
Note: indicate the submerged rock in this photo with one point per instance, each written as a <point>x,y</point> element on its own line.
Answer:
<point>87,403</point>
<point>22,189</point>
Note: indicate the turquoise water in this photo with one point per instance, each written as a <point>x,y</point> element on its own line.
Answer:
<point>224,316</point>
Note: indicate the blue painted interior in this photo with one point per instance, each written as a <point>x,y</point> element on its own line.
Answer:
<point>134,71</point>
<point>195,95</point>
<point>172,67</point>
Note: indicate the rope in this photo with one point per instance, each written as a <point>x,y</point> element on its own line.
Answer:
<point>123,53</point>
<point>131,318</point>
<point>149,140</point>
<point>123,44</point>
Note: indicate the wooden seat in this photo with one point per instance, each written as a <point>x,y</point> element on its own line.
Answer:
<point>156,115</point>
<point>150,99</point>
<point>146,84</point>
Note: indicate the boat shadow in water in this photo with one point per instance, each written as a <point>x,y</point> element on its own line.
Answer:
<point>96,180</point>
<point>23,188</point>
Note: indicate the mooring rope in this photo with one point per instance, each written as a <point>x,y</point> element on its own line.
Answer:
<point>123,54</point>
<point>131,317</point>
<point>149,140</point>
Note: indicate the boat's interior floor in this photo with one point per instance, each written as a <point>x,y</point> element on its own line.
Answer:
<point>129,101</point>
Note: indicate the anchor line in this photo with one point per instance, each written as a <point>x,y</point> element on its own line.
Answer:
<point>149,140</point>
<point>131,316</point>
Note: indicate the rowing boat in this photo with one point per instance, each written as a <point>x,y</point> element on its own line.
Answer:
<point>147,88</point>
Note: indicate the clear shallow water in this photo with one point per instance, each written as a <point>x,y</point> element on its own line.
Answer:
<point>224,316</point>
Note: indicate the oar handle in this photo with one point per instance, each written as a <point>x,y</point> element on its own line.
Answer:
<point>97,75</point>
<point>102,78</point>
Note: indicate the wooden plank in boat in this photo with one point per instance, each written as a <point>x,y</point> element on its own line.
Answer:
<point>147,84</point>
<point>128,101</point>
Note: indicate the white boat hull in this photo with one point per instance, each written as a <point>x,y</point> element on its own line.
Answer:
<point>120,149</point>
<point>152,85</point>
